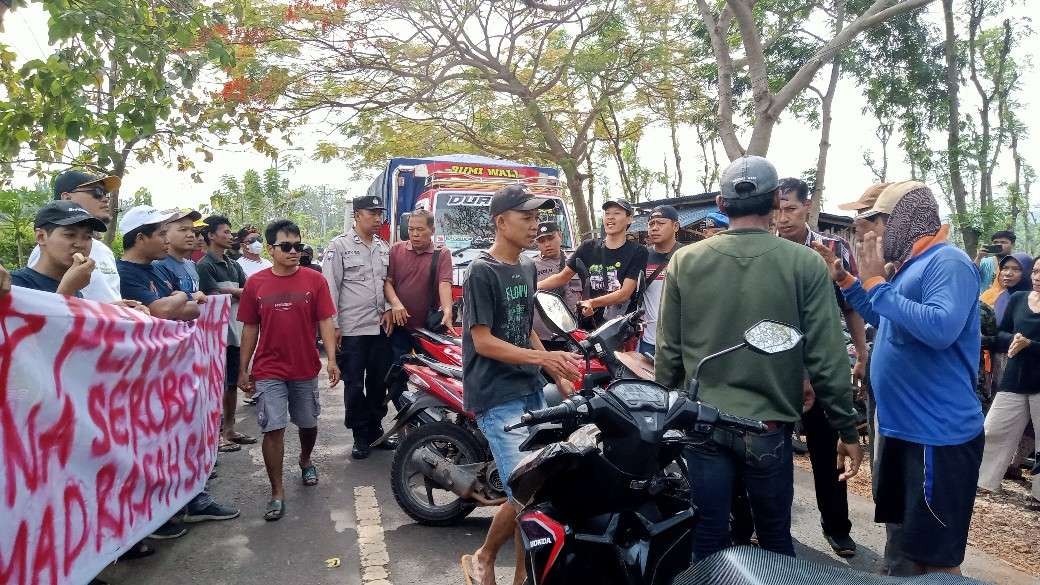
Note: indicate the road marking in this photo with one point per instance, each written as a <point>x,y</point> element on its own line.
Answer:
<point>375,561</point>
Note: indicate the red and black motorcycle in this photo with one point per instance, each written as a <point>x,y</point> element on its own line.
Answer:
<point>443,469</point>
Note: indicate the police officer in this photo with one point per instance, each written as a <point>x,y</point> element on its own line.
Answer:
<point>355,267</point>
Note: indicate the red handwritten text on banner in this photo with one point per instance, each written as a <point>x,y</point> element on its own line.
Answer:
<point>108,425</point>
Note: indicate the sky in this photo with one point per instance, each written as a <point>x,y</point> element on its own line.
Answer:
<point>794,147</point>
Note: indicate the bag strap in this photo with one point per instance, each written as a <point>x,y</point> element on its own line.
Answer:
<point>653,275</point>
<point>433,277</point>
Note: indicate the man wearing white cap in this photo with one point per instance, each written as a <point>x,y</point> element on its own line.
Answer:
<point>144,241</point>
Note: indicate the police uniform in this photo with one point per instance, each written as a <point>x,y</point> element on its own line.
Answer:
<point>355,271</point>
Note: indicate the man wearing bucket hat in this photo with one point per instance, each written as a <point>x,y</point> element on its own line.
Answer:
<point>921,293</point>
<point>748,275</point>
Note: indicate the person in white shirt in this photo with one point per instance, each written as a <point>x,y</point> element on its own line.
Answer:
<point>250,261</point>
<point>92,193</point>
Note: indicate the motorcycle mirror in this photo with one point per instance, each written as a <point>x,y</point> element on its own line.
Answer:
<point>771,337</point>
<point>402,226</point>
<point>554,313</point>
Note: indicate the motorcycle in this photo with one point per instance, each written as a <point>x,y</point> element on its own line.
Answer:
<point>443,468</point>
<point>604,506</point>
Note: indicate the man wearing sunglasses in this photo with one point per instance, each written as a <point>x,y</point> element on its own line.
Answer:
<point>280,309</point>
<point>356,267</point>
<point>92,193</point>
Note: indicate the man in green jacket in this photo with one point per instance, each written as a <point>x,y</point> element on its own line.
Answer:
<point>716,289</point>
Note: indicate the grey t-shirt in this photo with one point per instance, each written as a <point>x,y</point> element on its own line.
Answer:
<point>500,296</point>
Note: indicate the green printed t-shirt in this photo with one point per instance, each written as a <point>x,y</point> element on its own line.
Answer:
<point>500,296</point>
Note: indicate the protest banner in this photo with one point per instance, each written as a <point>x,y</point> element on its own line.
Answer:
<point>109,421</point>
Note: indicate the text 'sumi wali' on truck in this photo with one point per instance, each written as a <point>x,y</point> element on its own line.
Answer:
<point>457,189</point>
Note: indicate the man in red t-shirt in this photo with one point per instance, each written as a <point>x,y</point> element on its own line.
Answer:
<point>280,309</point>
<point>407,286</point>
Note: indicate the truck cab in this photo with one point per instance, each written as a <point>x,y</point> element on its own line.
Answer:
<point>457,190</point>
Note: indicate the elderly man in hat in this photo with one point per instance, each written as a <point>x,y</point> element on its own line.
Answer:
<point>356,267</point>
<point>921,293</point>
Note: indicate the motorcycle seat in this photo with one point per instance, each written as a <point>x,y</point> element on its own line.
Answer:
<point>639,364</point>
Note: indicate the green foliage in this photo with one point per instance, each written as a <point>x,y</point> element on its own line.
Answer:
<point>17,210</point>
<point>258,198</point>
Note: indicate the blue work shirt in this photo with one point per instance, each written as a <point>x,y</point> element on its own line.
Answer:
<point>145,283</point>
<point>926,354</point>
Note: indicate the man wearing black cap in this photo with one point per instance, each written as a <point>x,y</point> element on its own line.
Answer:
<point>64,234</point>
<point>550,260</point>
<point>356,267</point>
<point>91,193</point>
<point>502,356</point>
<point>662,230</point>
<point>614,265</point>
<point>714,290</point>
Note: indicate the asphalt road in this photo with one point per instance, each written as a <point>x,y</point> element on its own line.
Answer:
<point>352,516</point>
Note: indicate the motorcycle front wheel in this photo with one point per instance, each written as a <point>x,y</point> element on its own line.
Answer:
<point>419,496</point>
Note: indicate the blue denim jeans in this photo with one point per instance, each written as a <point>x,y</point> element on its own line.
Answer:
<point>505,445</point>
<point>765,464</point>
<point>646,348</point>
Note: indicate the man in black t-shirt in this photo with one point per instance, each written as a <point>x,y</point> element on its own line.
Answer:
<point>64,232</point>
<point>501,356</point>
<point>613,263</point>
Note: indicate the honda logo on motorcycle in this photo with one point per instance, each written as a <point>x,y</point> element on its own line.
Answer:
<point>539,542</point>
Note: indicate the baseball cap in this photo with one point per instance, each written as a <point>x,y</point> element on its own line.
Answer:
<point>70,180</point>
<point>517,198</point>
<point>748,176</point>
<point>867,199</point>
<point>140,215</point>
<point>547,228</point>
<point>178,214</point>
<point>67,213</point>
<point>664,212</point>
<point>890,196</point>
<point>623,204</point>
<point>368,202</point>
<point>718,219</point>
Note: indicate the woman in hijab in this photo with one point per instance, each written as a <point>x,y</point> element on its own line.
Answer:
<point>1018,401</point>
<point>1013,276</point>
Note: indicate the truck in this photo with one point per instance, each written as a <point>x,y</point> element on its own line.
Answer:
<point>457,189</point>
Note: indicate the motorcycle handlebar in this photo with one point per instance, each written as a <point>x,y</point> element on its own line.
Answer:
<point>743,424</point>
<point>553,413</point>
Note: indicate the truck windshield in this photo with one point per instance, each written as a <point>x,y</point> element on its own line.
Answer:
<point>463,220</point>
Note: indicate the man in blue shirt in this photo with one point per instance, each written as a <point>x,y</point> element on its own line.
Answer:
<point>144,279</point>
<point>180,237</point>
<point>922,295</point>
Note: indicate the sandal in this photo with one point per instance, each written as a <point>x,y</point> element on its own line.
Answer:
<point>242,439</point>
<point>228,446</point>
<point>310,475</point>
<point>275,510</point>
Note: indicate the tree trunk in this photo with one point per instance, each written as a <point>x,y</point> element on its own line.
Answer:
<point>953,137</point>
<point>674,127</point>
<point>592,200</point>
<point>574,187</point>
<point>1016,186</point>
<point>826,105</point>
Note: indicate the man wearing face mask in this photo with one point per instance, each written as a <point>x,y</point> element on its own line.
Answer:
<point>355,266</point>
<point>251,262</point>
<point>921,293</point>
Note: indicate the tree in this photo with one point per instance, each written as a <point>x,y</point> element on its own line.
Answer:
<point>141,197</point>
<point>956,191</point>
<point>17,211</point>
<point>780,20</point>
<point>121,85</point>
<point>521,80</point>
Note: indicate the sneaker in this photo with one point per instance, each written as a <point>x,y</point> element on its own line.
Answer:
<point>214,511</point>
<point>843,546</point>
<point>172,529</point>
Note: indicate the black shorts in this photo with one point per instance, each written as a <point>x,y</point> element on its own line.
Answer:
<point>231,370</point>
<point>930,491</point>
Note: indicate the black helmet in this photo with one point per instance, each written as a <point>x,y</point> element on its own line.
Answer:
<point>748,176</point>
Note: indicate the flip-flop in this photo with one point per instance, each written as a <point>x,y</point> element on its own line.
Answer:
<point>275,510</point>
<point>467,569</point>
<point>228,447</point>
<point>242,439</point>
<point>310,475</point>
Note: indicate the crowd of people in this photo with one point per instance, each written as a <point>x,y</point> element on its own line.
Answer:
<point>952,375</point>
